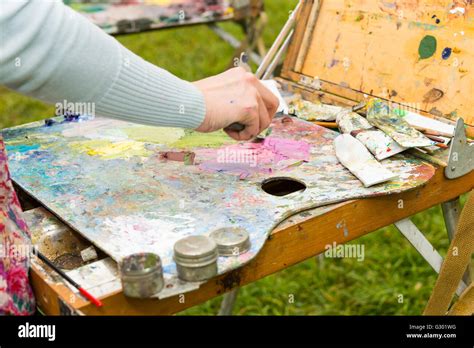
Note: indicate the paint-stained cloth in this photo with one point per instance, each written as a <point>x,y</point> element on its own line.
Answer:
<point>16,295</point>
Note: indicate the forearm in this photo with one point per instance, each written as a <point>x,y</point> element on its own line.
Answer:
<point>52,53</point>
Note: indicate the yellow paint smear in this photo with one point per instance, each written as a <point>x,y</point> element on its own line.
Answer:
<point>195,139</point>
<point>159,2</point>
<point>108,150</point>
<point>155,135</point>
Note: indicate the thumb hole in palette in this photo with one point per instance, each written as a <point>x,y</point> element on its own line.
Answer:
<point>282,186</point>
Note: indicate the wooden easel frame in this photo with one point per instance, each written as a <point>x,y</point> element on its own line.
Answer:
<point>330,92</point>
<point>251,18</point>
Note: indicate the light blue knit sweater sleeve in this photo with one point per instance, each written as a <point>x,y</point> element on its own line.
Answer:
<point>52,53</point>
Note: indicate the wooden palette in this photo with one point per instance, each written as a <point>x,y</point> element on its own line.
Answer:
<point>110,182</point>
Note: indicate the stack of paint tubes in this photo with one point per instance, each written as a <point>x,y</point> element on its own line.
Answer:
<point>384,132</point>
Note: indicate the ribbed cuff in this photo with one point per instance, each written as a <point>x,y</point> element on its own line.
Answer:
<point>146,94</point>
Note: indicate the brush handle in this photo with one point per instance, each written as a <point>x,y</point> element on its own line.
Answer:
<point>235,127</point>
<point>278,41</point>
<point>243,63</point>
<point>91,298</point>
<point>442,146</point>
<point>51,265</point>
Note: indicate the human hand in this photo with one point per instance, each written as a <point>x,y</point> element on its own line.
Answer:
<point>236,96</point>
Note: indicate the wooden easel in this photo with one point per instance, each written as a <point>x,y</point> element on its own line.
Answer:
<point>348,82</point>
<point>306,74</point>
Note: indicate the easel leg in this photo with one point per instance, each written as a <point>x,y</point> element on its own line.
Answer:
<point>424,247</point>
<point>253,21</point>
<point>228,302</point>
<point>259,42</point>
<point>239,46</point>
<point>451,212</point>
<point>320,261</point>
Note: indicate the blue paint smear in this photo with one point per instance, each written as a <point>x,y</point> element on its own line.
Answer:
<point>49,122</point>
<point>446,53</point>
<point>22,148</point>
<point>67,117</point>
<point>70,117</point>
<point>424,26</point>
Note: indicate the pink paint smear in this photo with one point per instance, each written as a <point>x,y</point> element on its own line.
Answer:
<point>245,159</point>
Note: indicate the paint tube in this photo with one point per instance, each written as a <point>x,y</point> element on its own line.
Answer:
<point>273,86</point>
<point>309,111</point>
<point>355,157</point>
<point>380,115</point>
<point>376,141</point>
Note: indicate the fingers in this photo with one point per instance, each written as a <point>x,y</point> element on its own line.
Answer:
<point>257,121</point>
<point>264,116</point>
<point>233,134</point>
<point>251,120</point>
<point>267,102</point>
<point>270,100</point>
<point>237,96</point>
<point>252,124</point>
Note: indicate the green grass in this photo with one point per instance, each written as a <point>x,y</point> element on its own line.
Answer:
<point>333,287</point>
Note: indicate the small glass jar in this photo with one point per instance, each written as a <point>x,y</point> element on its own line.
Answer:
<point>141,275</point>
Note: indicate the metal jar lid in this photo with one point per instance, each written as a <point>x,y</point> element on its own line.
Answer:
<point>231,241</point>
<point>195,251</point>
<point>141,264</point>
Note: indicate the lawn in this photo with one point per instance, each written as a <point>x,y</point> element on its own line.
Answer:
<point>391,280</point>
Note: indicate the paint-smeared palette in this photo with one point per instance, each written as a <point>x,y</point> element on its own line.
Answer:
<point>130,188</point>
<point>124,16</point>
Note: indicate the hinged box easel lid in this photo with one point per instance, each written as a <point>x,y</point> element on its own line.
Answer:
<point>417,53</point>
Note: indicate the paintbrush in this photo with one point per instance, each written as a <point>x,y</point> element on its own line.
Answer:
<point>362,105</point>
<point>269,59</point>
<point>416,152</point>
<point>243,63</point>
<point>436,134</point>
<point>433,134</point>
<point>435,138</point>
<point>439,141</point>
<point>442,145</point>
<point>83,291</point>
<point>238,127</point>
<point>429,133</point>
<point>426,131</point>
<point>332,125</point>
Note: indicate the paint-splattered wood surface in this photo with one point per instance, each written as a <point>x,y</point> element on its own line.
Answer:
<point>300,237</point>
<point>419,53</point>
<point>118,17</point>
<point>109,181</point>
